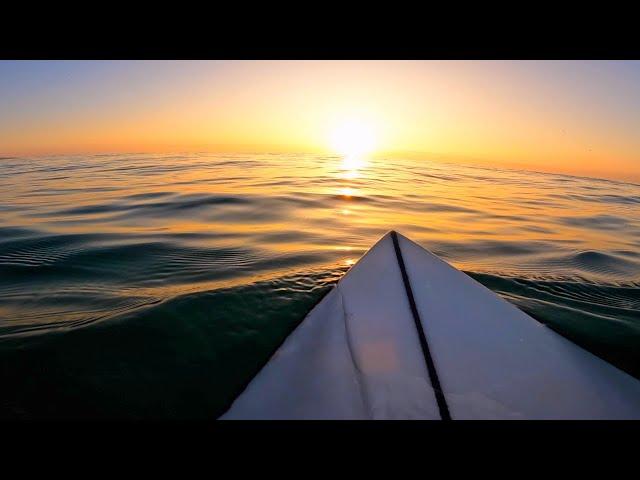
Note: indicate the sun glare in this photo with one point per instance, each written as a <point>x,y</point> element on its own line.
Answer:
<point>352,164</point>
<point>353,138</point>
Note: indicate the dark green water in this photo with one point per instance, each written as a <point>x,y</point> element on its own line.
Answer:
<point>154,286</point>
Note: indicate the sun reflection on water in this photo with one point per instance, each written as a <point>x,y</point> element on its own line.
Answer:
<point>347,192</point>
<point>353,163</point>
<point>351,167</point>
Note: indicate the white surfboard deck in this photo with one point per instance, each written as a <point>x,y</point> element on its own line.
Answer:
<point>358,355</point>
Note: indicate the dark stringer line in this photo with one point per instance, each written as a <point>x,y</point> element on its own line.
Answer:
<point>431,368</point>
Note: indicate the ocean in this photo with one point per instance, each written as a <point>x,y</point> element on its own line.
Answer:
<point>155,286</point>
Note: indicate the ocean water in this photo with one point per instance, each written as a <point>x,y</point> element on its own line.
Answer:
<point>155,286</point>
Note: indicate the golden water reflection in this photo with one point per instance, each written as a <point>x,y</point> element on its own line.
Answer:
<point>351,168</point>
<point>317,207</point>
<point>352,164</point>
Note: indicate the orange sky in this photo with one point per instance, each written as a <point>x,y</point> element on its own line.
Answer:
<point>570,117</point>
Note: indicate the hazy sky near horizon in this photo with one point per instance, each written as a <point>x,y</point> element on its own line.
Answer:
<point>567,116</point>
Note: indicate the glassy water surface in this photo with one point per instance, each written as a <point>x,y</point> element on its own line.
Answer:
<point>154,286</point>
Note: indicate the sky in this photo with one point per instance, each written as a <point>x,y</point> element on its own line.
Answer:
<point>576,117</point>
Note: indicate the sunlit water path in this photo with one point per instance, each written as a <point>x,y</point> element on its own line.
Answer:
<point>154,285</point>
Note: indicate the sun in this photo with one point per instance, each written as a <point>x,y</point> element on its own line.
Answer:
<point>353,138</point>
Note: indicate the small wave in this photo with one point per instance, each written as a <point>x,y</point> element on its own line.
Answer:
<point>10,233</point>
<point>34,252</point>
<point>180,203</point>
<point>596,262</point>
<point>486,248</point>
<point>603,221</point>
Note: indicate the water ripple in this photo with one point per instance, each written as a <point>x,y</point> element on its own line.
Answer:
<point>174,276</point>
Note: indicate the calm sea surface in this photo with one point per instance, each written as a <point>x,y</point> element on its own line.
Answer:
<point>154,286</point>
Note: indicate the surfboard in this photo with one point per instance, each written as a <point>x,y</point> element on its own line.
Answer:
<point>405,335</point>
